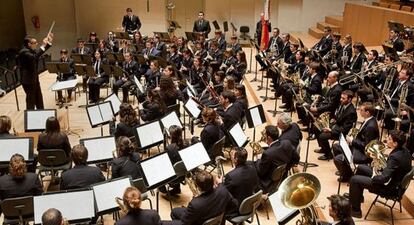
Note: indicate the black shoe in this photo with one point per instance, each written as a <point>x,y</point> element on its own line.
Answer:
<point>337,173</point>
<point>343,179</point>
<point>311,137</point>
<point>288,110</point>
<point>318,150</point>
<point>325,157</point>
<point>356,213</point>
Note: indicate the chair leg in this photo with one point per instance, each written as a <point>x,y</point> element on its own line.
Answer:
<point>257,217</point>
<point>265,206</point>
<point>375,200</point>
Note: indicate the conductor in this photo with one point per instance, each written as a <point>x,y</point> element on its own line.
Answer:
<point>131,23</point>
<point>201,26</point>
<point>28,61</point>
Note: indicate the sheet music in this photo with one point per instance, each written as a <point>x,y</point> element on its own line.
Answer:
<point>171,119</point>
<point>191,88</point>
<point>256,118</point>
<point>194,156</point>
<point>63,85</point>
<point>150,133</point>
<point>36,119</point>
<point>9,147</point>
<point>106,111</point>
<point>192,107</point>
<point>114,101</point>
<point>280,210</point>
<point>157,169</point>
<point>345,148</point>
<point>238,135</point>
<point>100,148</point>
<point>105,193</point>
<point>139,85</point>
<point>73,205</point>
<point>94,115</point>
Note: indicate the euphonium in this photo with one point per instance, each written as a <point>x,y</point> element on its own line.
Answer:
<point>255,145</point>
<point>322,121</point>
<point>375,149</point>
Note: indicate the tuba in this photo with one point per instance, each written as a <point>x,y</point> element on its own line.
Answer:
<point>375,149</point>
<point>300,191</point>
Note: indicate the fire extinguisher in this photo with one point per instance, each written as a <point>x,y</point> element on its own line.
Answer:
<point>36,22</point>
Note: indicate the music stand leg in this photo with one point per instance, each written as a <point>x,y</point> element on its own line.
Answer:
<point>267,84</point>
<point>251,60</point>
<point>255,74</point>
<point>306,164</point>
<point>254,139</point>
<point>69,131</point>
<point>274,111</point>
<point>15,91</point>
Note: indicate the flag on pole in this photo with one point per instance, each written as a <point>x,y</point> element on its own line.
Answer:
<point>265,29</point>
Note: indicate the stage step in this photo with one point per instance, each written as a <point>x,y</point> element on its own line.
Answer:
<point>334,20</point>
<point>315,32</point>
<point>322,25</point>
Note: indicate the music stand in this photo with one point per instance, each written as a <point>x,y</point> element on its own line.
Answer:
<point>194,156</point>
<point>148,135</point>
<point>282,213</point>
<point>225,26</point>
<point>35,120</point>
<point>122,35</point>
<point>115,102</point>
<point>100,149</point>
<point>82,59</point>
<point>191,36</point>
<point>347,153</point>
<point>191,107</point>
<point>307,164</point>
<point>77,206</point>
<point>85,70</point>
<point>255,116</point>
<point>11,146</point>
<point>238,136</point>
<point>106,192</point>
<point>100,114</point>
<point>92,45</point>
<point>216,25</point>
<point>157,170</point>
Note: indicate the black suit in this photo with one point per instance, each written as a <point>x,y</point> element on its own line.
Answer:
<point>324,45</point>
<point>124,166</point>
<point>28,61</point>
<point>205,206</point>
<point>121,129</point>
<point>398,165</point>
<point>230,117</point>
<point>131,24</point>
<point>81,176</point>
<point>356,62</point>
<point>95,83</point>
<point>314,87</point>
<point>151,111</point>
<point>242,181</point>
<point>259,29</point>
<point>395,93</point>
<point>292,134</point>
<point>276,44</point>
<point>345,119</point>
<point>67,76</point>
<point>140,216</point>
<point>18,187</point>
<point>210,134</point>
<point>54,141</point>
<point>202,26</point>
<point>132,69</point>
<point>398,45</point>
<point>279,152</point>
<point>84,51</point>
<point>368,132</point>
<point>331,101</point>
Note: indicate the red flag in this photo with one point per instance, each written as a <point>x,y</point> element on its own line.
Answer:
<point>265,35</point>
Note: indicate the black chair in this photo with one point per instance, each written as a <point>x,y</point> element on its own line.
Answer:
<point>244,30</point>
<point>394,196</point>
<point>51,162</point>
<point>217,150</point>
<point>277,178</point>
<point>215,220</point>
<point>247,209</point>
<point>140,185</point>
<point>18,210</point>
<point>175,108</point>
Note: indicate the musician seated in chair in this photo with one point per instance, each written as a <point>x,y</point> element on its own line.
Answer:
<point>331,100</point>
<point>95,83</point>
<point>279,152</point>
<point>131,68</point>
<point>66,76</point>
<point>131,201</point>
<point>81,175</point>
<point>154,108</point>
<point>339,210</point>
<point>290,130</point>
<point>343,119</point>
<point>153,75</point>
<point>239,68</point>
<point>366,133</point>
<point>210,203</point>
<point>398,164</point>
<point>365,92</point>
<point>126,162</point>
<point>128,119</point>
<point>52,216</point>
<point>325,43</point>
<point>211,132</point>
<point>229,112</point>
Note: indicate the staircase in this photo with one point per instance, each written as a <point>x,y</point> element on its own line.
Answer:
<point>335,22</point>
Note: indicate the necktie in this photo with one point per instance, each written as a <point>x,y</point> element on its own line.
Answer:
<point>97,67</point>
<point>200,23</point>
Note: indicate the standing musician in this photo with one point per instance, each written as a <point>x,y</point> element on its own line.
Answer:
<point>66,76</point>
<point>259,26</point>
<point>126,162</point>
<point>366,133</point>
<point>95,83</point>
<point>210,203</point>
<point>28,62</point>
<point>340,210</point>
<point>202,26</point>
<point>135,215</point>
<point>398,165</point>
<point>234,44</point>
<point>131,68</point>
<point>325,43</point>
<point>131,22</point>
<point>279,152</point>
<point>343,120</point>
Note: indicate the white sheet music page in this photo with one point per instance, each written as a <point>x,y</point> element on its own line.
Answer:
<point>171,119</point>
<point>192,107</point>
<point>63,85</point>
<point>139,85</point>
<point>94,114</point>
<point>100,148</point>
<point>36,120</point>
<point>106,111</point>
<point>9,147</point>
<point>114,101</point>
<point>238,135</point>
<point>194,156</point>
<point>345,148</point>
<point>280,210</point>
<point>157,169</point>
<point>256,118</point>
<point>150,133</point>
<point>105,193</point>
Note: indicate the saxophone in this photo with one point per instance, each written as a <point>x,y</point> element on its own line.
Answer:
<point>375,149</point>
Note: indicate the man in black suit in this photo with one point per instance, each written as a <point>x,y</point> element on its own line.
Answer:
<point>290,130</point>
<point>221,40</point>
<point>279,152</point>
<point>398,165</point>
<point>344,118</point>
<point>332,98</point>
<point>346,53</point>
<point>325,43</point>
<point>66,76</point>
<point>131,67</point>
<point>284,52</point>
<point>234,45</point>
<point>242,181</point>
<point>28,62</point>
<point>95,83</point>
<point>81,175</point>
<point>397,43</point>
<point>275,43</point>
<point>339,210</point>
<point>357,61</point>
<point>364,92</point>
<point>230,113</point>
<point>150,50</point>
<point>259,27</point>
<point>210,203</point>
<point>130,22</point>
<point>366,133</point>
<point>81,48</point>
<point>202,26</point>
<point>160,46</point>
